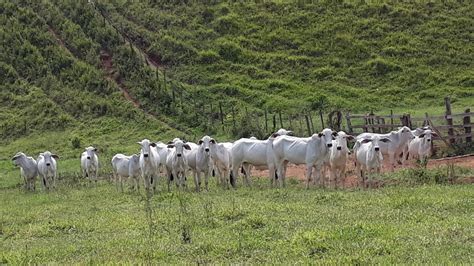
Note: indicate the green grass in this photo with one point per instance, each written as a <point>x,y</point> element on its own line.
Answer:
<point>79,223</point>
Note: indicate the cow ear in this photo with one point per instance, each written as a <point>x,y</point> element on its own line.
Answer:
<point>385,140</point>
<point>434,134</point>
<point>275,135</point>
<point>55,156</point>
<point>95,149</point>
<point>290,133</point>
<point>153,144</point>
<point>334,133</point>
<point>366,140</point>
<point>187,147</point>
<point>200,141</point>
<point>213,141</point>
<point>170,142</point>
<point>139,143</point>
<point>350,137</point>
<point>170,146</point>
<point>320,134</point>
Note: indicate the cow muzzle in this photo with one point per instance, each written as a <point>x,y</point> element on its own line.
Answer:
<point>145,155</point>
<point>339,148</point>
<point>206,149</point>
<point>48,164</point>
<point>428,140</point>
<point>88,157</point>
<point>329,145</point>
<point>376,148</point>
<point>179,154</point>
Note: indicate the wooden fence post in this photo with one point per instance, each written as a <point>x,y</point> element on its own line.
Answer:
<point>391,119</point>
<point>348,120</point>
<point>308,126</point>
<point>467,125</point>
<point>321,117</point>
<point>281,120</point>
<point>291,122</point>
<point>274,123</point>
<point>366,119</point>
<point>449,119</point>
<point>233,118</point>
<point>311,121</point>
<point>266,122</point>
<point>221,116</point>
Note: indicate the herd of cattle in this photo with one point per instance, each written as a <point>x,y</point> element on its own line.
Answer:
<point>319,152</point>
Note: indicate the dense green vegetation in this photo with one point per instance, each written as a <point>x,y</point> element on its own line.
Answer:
<point>293,57</point>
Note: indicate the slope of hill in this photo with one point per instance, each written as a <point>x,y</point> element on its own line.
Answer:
<point>179,61</point>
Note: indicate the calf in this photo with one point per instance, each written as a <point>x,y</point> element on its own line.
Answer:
<point>176,162</point>
<point>338,155</point>
<point>47,169</point>
<point>90,164</point>
<point>368,155</point>
<point>121,168</point>
<point>149,164</point>
<point>134,171</point>
<point>397,145</point>
<point>28,169</point>
<point>420,147</point>
<point>312,151</point>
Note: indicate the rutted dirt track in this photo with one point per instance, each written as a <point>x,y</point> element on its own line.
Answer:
<point>298,171</point>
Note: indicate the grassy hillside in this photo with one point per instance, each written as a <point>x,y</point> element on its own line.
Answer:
<point>63,64</point>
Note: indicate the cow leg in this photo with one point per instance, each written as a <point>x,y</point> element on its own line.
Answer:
<point>309,170</point>
<point>197,180</point>
<point>247,173</point>
<point>333,177</point>
<point>206,180</point>
<point>392,161</point>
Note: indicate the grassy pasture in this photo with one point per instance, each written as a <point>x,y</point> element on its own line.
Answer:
<point>413,222</point>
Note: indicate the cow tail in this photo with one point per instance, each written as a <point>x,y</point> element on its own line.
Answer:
<point>213,173</point>
<point>171,177</point>
<point>276,175</point>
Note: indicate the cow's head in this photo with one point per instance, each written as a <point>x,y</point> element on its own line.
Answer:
<point>146,150</point>
<point>283,131</point>
<point>427,135</point>
<point>17,158</point>
<point>327,135</point>
<point>206,143</point>
<point>49,158</point>
<point>374,142</point>
<point>90,152</point>
<point>341,141</point>
<point>179,145</point>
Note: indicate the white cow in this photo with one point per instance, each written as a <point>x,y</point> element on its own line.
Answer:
<point>338,155</point>
<point>121,169</point>
<point>312,151</point>
<point>368,155</point>
<point>28,169</point>
<point>162,150</point>
<point>149,164</point>
<point>222,160</point>
<point>47,169</point>
<point>176,162</point>
<point>397,145</point>
<point>134,171</point>
<point>420,147</point>
<point>90,164</point>
<point>199,160</point>
<point>253,152</point>
<point>248,152</point>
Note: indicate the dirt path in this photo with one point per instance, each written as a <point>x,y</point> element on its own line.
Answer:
<point>298,171</point>
<point>112,75</point>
